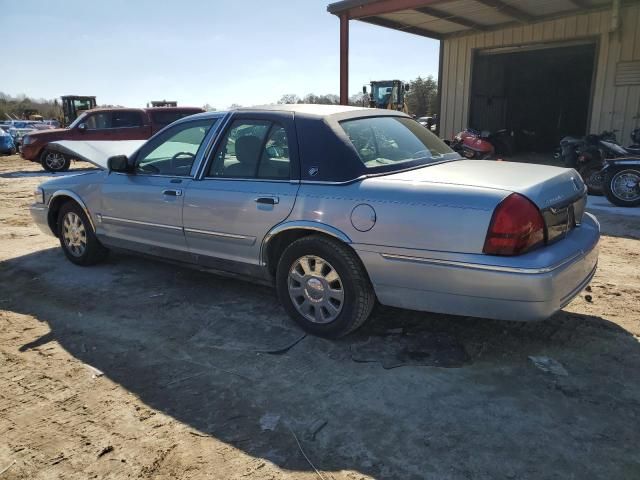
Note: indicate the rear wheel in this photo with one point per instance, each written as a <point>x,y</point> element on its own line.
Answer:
<point>324,287</point>
<point>593,178</point>
<point>77,238</point>
<point>54,161</point>
<point>622,186</point>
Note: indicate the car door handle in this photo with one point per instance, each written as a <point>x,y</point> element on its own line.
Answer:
<point>172,193</point>
<point>268,200</point>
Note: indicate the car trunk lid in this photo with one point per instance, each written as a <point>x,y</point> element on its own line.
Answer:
<point>559,193</point>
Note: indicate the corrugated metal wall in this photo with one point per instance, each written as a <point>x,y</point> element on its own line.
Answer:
<point>613,107</point>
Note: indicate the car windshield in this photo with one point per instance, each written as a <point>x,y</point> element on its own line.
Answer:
<point>381,141</point>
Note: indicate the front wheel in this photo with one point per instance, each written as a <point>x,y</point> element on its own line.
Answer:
<point>77,238</point>
<point>622,186</point>
<point>54,161</point>
<point>324,287</point>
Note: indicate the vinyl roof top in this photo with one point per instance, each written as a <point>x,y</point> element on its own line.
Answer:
<point>444,18</point>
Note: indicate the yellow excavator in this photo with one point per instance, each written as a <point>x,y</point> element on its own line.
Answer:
<point>388,95</point>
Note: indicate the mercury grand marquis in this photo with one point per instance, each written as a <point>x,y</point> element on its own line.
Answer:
<point>338,207</point>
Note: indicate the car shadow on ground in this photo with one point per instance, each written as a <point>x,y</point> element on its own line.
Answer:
<point>222,357</point>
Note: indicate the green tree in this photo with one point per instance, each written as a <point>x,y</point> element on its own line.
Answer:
<point>422,97</point>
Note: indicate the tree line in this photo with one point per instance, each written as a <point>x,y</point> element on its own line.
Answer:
<point>21,106</point>
<point>421,99</point>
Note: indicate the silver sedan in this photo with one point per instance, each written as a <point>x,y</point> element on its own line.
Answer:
<point>338,207</point>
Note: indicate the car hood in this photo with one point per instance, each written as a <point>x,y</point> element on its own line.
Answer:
<point>96,152</point>
<point>45,133</point>
<point>544,185</point>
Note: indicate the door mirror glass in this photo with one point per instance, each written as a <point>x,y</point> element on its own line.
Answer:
<point>82,127</point>
<point>118,163</point>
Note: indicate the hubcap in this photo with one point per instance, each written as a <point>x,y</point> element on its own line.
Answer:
<point>315,289</point>
<point>74,234</point>
<point>626,185</point>
<point>54,161</point>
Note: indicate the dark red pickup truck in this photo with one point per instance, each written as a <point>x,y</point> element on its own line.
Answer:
<point>100,124</point>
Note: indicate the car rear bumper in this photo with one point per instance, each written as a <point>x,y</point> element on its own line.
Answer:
<point>40,216</point>
<point>529,287</point>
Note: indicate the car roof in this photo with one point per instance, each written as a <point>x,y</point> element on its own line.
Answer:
<point>337,112</point>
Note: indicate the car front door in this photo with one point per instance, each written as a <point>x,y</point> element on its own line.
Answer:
<point>96,126</point>
<point>247,186</point>
<point>142,210</point>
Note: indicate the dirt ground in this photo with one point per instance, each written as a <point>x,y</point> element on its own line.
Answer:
<point>140,369</point>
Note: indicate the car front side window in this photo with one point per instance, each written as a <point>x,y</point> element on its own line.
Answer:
<point>98,121</point>
<point>174,151</point>
<point>252,149</point>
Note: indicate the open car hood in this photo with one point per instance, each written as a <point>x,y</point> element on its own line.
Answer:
<point>96,151</point>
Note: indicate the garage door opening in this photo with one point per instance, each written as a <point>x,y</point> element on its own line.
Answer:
<point>539,94</point>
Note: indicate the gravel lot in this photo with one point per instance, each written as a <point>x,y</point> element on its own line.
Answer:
<point>140,369</point>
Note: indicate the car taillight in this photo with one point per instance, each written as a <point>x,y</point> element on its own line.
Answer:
<point>516,227</point>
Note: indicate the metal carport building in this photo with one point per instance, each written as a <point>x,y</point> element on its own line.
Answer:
<point>546,67</point>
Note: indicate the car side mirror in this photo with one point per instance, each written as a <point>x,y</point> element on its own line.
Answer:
<point>82,127</point>
<point>118,163</point>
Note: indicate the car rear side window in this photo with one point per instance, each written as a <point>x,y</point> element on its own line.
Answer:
<point>381,141</point>
<point>126,119</point>
<point>252,149</point>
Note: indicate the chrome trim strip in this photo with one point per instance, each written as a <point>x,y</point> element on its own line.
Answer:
<point>39,206</point>
<point>219,234</point>
<point>479,266</point>
<point>151,175</point>
<point>246,179</point>
<point>74,196</point>
<point>138,222</point>
<point>204,160</point>
<point>299,225</point>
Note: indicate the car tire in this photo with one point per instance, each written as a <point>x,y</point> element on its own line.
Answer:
<point>324,287</point>
<point>625,198</point>
<point>77,238</point>
<point>593,178</point>
<point>54,161</point>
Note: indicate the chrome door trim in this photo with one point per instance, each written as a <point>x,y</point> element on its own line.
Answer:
<point>198,173</point>
<point>233,236</point>
<point>479,266</point>
<point>138,222</point>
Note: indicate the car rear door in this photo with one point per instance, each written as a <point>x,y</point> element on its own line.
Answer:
<point>246,187</point>
<point>129,125</point>
<point>142,210</point>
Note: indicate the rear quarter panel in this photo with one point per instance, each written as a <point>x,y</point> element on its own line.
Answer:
<point>408,215</point>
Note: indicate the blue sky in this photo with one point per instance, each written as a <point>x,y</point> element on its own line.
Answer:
<point>195,51</point>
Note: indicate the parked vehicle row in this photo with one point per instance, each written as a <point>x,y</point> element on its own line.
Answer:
<point>7,146</point>
<point>337,207</point>
<point>100,124</point>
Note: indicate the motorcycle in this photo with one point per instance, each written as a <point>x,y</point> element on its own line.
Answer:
<point>481,145</point>
<point>622,181</point>
<point>588,154</point>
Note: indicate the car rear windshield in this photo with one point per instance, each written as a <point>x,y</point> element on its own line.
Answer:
<point>388,141</point>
